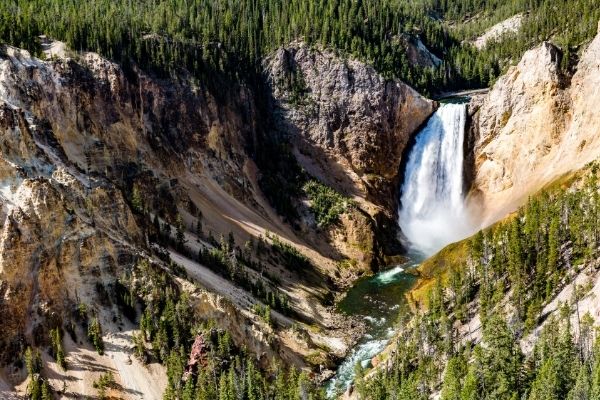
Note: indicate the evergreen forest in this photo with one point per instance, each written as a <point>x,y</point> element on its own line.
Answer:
<point>503,277</point>
<point>228,39</point>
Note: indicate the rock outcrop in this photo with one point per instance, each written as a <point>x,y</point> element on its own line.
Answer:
<point>535,124</point>
<point>416,51</point>
<point>342,113</point>
<point>496,32</point>
<point>350,127</point>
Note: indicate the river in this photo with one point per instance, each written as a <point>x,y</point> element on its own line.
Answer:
<point>380,301</point>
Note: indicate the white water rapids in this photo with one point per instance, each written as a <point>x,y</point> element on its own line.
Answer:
<point>432,208</point>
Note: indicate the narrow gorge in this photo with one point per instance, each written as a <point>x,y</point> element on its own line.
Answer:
<point>432,213</point>
<point>299,200</point>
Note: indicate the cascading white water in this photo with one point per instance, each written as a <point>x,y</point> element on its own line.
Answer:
<point>432,210</point>
<point>432,214</point>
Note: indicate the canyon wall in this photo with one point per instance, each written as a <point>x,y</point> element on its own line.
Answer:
<point>80,134</point>
<point>349,127</point>
<point>535,124</point>
<point>345,117</point>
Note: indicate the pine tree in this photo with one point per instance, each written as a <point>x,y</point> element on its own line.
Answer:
<point>502,360</point>
<point>595,378</point>
<point>95,335</point>
<point>470,389</point>
<point>57,347</point>
<point>33,361</point>
<point>180,232</point>
<point>223,388</point>
<point>547,383</point>
<point>189,389</point>
<point>46,392</point>
<point>582,389</point>
<point>34,388</point>
<point>455,370</point>
<point>553,243</point>
<point>136,199</point>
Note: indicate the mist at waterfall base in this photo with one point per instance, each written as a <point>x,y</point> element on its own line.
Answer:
<point>432,205</point>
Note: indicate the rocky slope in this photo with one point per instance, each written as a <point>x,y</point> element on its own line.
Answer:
<point>84,142</point>
<point>71,137</point>
<point>535,124</point>
<point>496,32</point>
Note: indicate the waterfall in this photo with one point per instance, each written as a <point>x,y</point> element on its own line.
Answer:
<point>432,211</point>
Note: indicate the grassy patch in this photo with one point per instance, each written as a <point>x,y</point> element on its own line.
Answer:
<point>439,264</point>
<point>347,263</point>
<point>317,358</point>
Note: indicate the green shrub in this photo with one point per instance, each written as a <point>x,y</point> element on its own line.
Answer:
<point>263,312</point>
<point>289,255</point>
<point>325,203</point>
<point>95,335</point>
<point>106,381</point>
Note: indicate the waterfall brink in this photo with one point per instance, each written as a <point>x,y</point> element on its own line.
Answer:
<point>432,211</point>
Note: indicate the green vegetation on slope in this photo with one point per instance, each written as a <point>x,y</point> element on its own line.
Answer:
<point>218,36</point>
<point>284,183</point>
<point>326,204</point>
<point>202,360</point>
<point>504,276</point>
<point>569,24</point>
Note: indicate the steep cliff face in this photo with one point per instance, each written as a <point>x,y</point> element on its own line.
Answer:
<point>350,127</point>
<point>94,107</point>
<point>55,221</point>
<point>64,235</point>
<point>534,125</point>
<point>342,113</point>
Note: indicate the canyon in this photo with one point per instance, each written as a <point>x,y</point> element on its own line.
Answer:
<point>80,135</point>
<point>95,154</point>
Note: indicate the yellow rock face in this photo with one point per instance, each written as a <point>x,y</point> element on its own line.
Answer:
<point>533,126</point>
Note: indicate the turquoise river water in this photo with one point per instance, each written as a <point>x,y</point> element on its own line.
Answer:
<point>380,301</point>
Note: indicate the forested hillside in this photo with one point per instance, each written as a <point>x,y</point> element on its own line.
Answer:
<point>163,124</point>
<point>503,277</point>
<point>569,24</point>
<point>225,38</point>
<point>201,359</point>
